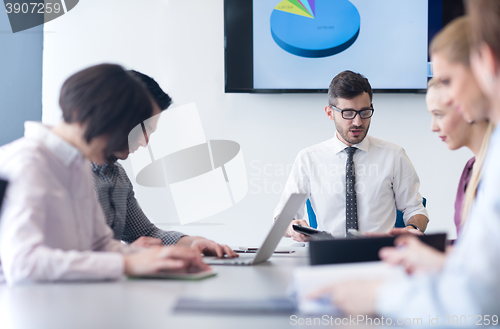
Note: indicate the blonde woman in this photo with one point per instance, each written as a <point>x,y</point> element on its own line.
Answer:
<point>456,132</point>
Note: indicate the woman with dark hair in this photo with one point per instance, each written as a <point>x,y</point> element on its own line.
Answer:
<point>52,226</point>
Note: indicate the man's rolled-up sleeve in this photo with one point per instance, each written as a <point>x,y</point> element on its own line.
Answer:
<point>298,182</point>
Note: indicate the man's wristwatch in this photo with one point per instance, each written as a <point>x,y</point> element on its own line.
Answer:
<point>415,227</point>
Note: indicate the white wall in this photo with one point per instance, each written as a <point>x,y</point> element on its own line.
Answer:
<point>180,43</point>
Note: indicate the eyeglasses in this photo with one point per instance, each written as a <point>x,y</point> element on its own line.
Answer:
<point>351,114</point>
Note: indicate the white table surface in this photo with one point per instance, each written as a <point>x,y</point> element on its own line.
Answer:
<point>149,303</point>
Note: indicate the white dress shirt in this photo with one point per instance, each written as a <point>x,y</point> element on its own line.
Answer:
<point>52,227</point>
<point>385,181</point>
<point>470,281</point>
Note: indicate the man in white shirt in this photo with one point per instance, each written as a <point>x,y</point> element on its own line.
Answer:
<point>355,181</point>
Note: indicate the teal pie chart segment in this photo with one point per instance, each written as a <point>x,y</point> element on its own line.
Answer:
<point>334,28</point>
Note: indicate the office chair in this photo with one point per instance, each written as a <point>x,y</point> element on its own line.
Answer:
<point>399,217</point>
<point>314,223</point>
<point>312,216</point>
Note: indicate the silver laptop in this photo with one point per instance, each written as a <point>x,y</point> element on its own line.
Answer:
<point>273,238</point>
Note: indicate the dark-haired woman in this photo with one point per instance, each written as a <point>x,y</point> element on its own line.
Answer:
<point>52,227</point>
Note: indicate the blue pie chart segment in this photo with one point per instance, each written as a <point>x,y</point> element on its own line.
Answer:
<point>334,28</point>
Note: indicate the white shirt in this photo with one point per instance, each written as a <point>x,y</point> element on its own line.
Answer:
<point>52,227</point>
<point>470,281</point>
<point>385,181</point>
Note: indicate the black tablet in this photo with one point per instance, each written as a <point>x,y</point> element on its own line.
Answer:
<point>363,249</point>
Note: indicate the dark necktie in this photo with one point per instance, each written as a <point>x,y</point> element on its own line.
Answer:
<point>351,211</point>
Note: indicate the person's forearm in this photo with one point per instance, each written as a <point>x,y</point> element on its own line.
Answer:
<point>420,221</point>
<point>185,241</point>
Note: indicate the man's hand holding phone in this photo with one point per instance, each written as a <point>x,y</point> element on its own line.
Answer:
<point>296,236</point>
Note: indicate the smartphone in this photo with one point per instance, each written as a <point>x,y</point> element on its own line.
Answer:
<point>312,232</point>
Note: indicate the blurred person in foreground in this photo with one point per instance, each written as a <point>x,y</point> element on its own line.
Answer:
<point>52,227</point>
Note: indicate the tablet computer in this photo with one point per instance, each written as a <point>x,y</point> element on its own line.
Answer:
<point>363,249</point>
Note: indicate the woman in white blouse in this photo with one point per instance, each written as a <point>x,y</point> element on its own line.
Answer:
<point>52,227</point>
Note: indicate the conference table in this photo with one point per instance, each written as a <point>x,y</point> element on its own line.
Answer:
<point>132,303</point>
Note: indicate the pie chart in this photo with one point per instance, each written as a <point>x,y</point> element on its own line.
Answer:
<point>315,28</point>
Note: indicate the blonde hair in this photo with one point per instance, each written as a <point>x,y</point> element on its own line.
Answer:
<point>433,83</point>
<point>453,41</point>
<point>471,192</point>
<point>485,23</point>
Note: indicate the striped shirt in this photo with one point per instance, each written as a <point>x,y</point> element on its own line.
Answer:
<point>123,213</point>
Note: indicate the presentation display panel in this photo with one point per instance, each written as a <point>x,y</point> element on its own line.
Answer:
<point>300,45</point>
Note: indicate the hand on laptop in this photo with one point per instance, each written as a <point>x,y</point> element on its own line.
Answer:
<point>414,255</point>
<point>164,259</point>
<point>207,247</point>
<point>296,236</point>
<point>146,242</point>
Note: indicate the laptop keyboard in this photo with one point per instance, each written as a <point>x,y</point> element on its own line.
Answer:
<point>242,260</point>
